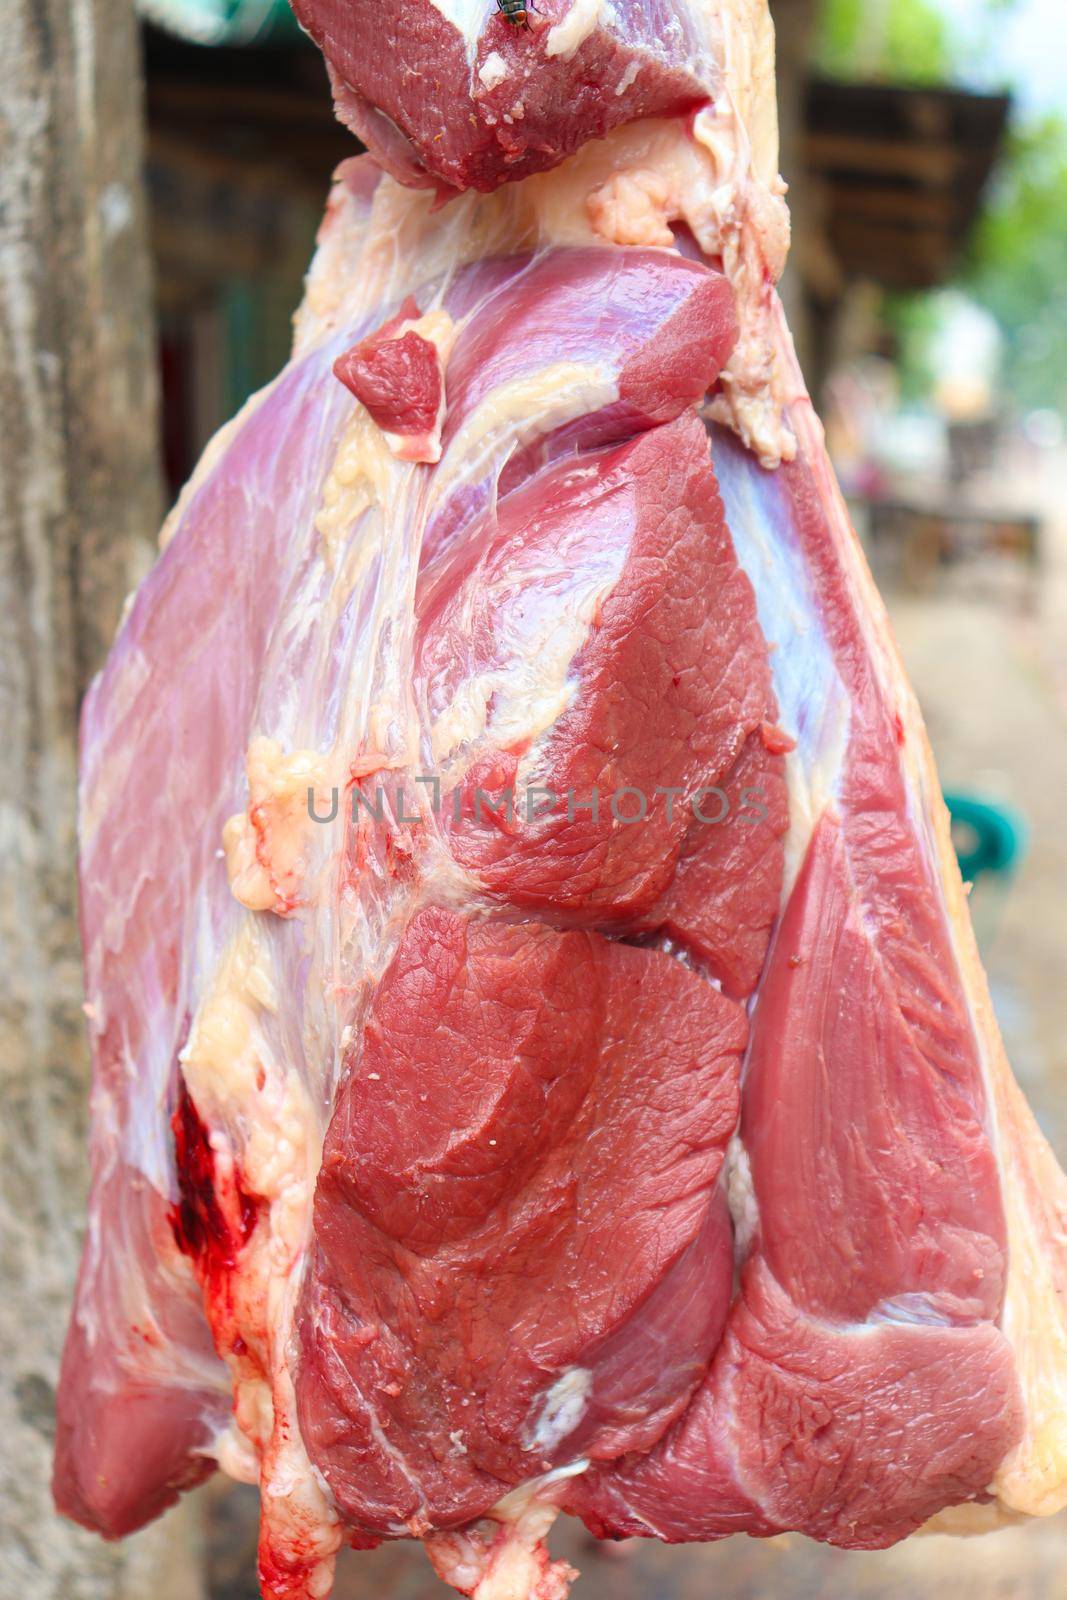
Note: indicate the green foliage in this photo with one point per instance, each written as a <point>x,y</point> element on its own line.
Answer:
<point>907,42</point>
<point>837,32</point>
<point>901,41</point>
<point>1017,266</point>
<point>914,320</point>
<point>1017,261</point>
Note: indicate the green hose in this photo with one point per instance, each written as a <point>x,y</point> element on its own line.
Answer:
<point>990,839</point>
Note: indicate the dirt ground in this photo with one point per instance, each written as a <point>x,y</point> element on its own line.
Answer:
<point>1016,1564</point>
<point>987,650</point>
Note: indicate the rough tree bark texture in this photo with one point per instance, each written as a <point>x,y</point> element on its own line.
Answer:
<point>79,501</point>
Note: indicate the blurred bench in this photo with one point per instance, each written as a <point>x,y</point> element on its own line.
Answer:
<point>912,543</point>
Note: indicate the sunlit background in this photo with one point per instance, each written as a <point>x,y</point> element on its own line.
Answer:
<point>925,142</point>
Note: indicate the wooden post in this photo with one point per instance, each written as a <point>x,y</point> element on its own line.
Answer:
<point>79,504</point>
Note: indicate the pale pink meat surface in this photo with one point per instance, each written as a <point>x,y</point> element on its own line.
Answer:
<point>541,1060</point>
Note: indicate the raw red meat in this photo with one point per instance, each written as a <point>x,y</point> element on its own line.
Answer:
<point>461,98</point>
<point>541,1058</point>
<point>672,681</point>
<point>530,1112</point>
<point>398,374</point>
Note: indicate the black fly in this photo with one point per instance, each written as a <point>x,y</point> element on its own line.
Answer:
<point>515,11</point>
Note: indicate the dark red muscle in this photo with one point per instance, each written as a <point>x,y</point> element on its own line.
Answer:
<point>670,682</point>
<point>520,1183</point>
<point>483,102</point>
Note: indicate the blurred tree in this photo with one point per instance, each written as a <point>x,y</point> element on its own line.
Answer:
<point>1016,262</point>
<point>913,321</point>
<point>1014,270</point>
<point>909,42</point>
<point>906,41</point>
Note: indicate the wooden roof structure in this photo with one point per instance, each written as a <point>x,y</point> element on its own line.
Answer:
<point>898,175</point>
<point>238,139</point>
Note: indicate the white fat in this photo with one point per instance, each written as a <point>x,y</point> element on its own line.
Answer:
<point>515,1503</point>
<point>738,132</point>
<point>561,1409</point>
<point>582,19</point>
<point>263,1126</point>
<point>741,1198</point>
<point>436,327</point>
<point>628,77</point>
<point>467,17</point>
<point>532,688</point>
<point>248,1094</point>
<point>265,845</point>
<point>359,478</point>
<point>518,411</point>
<point>517,1569</point>
<point>493,70</point>
<point>235,1455</point>
<point>636,206</point>
<point>509,1562</point>
<point>752,223</point>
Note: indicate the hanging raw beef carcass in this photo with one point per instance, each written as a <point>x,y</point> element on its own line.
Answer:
<point>541,1057</point>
